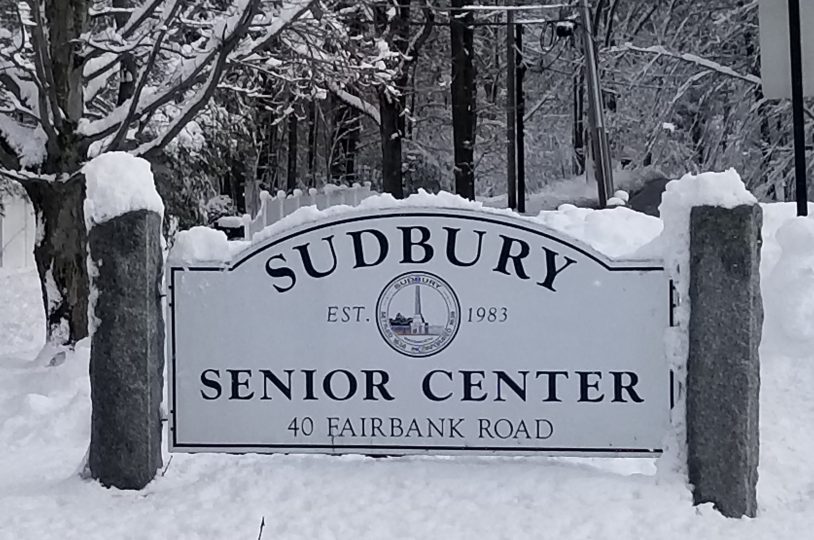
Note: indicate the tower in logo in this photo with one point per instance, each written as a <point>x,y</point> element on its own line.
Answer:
<point>419,325</point>
<point>436,314</point>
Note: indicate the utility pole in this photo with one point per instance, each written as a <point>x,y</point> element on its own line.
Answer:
<point>520,108</point>
<point>596,118</point>
<point>511,107</point>
<point>797,108</point>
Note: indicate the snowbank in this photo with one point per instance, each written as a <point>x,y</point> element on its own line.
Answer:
<point>44,433</point>
<point>775,215</point>
<point>577,190</point>
<point>117,183</point>
<point>22,318</point>
<point>617,232</point>
<point>788,291</point>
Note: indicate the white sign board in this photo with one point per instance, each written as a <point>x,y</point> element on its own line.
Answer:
<point>775,58</point>
<point>419,331</point>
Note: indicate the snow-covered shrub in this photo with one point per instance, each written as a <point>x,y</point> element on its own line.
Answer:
<point>219,206</point>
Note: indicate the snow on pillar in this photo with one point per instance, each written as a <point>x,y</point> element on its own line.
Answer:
<point>123,214</point>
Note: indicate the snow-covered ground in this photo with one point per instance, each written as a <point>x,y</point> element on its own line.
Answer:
<point>575,190</point>
<point>44,431</point>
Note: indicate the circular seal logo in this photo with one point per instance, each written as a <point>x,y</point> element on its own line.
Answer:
<point>418,314</point>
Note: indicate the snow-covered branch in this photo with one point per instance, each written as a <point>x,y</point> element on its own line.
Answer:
<point>418,41</point>
<point>142,81</point>
<point>356,102</point>
<point>284,18</point>
<point>44,76</point>
<point>205,93</point>
<point>686,57</point>
<point>224,45</point>
<point>190,72</point>
<point>138,17</point>
<point>109,12</point>
<point>23,176</point>
<point>11,92</point>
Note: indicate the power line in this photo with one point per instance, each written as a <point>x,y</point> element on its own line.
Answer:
<point>511,8</point>
<point>494,8</point>
<point>481,24</point>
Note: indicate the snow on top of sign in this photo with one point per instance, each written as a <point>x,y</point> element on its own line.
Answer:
<point>614,232</point>
<point>617,232</point>
<point>384,201</point>
<point>204,244</point>
<point>117,183</point>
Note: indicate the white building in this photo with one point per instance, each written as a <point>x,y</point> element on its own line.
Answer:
<point>18,230</point>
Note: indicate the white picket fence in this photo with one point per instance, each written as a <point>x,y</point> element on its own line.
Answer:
<point>18,229</point>
<point>275,208</point>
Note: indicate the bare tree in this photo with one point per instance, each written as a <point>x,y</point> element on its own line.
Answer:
<point>394,27</point>
<point>74,83</point>
<point>464,94</point>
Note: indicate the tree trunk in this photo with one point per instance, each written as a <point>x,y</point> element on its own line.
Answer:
<point>350,141</point>
<point>392,107</point>
<point>312,137</point>
<point>60,251</point>
<point>68,20</point>
<point>61,257</point>
<point>409,125</point>
<point>128,70</point>
<point>336,162</point>
<point>291,176</point>
<point>268,162</point>
<point>392,130</point>
<point>463,101</point>
<point>348,125</point>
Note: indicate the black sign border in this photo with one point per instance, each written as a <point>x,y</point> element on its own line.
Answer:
<point>338,449</point>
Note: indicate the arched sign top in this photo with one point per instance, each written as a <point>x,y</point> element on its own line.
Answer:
<point>419,330</point>
<point>472,217</point>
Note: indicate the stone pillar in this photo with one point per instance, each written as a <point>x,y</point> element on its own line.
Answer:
<point>723,367</point>
<point>127,349</point>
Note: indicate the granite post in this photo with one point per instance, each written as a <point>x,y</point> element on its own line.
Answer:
<point>127,349</point>
<point>723,367</point>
